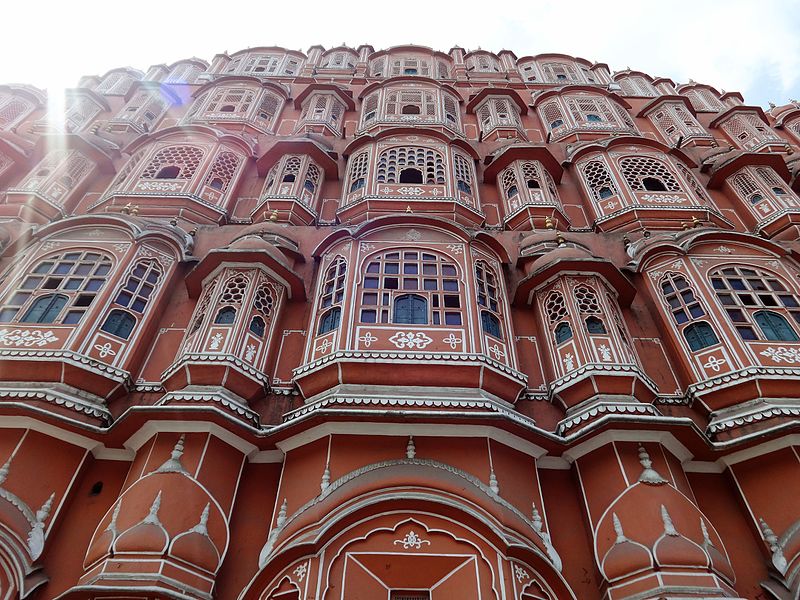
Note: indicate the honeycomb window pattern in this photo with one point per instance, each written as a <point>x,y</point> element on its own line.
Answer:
<point>174,162</point>
<point>640,170</point>
<point>393,163</point>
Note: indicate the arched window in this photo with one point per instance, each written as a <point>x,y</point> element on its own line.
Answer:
<point>331,296</point>
<point>410,175</point>
<point>681,299</point>
<point>563,332</point>
<point>463,173</point>
<point>13,110</point>
<point>222,171</point>
<point>257,326</point>
<point>76,276</point>
<point>588,303</point>
<point>119,323</point>
<point>700,335</point>
<point>398,160</point>
<point>746,292</point>
<point>595,326</point>
<point>225,316</point>
<point>174,162</point>
<point>775,327</point>
<point>358,171</point>
<point>410,309</point>
<point>424,275</point>
<point>140,285</point>
<point>330,320</point>
<point>555,308</point>
<point>488,299</point>
<point>598,180</point>
<point>643,173</point>
<point>45,309</point>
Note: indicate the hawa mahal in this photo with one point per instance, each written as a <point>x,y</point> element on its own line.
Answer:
<point>398,324</point>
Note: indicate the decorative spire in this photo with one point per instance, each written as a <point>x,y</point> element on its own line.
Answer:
<point>4,470</point>
<point>649,476</point>
<point>411,448</point>
<point>706,540</point>
<point>44,511</point>
<point>618,529</point>
<point>493,482</point>
<point>202,525</point>
<point>669,526</point>
<point>112,526</point>
<point>326,478</point>
<point>282,514</point>
<point>152,516</point>
<point>173,463</point>
<point>536,518</point>
<point>778,559</point>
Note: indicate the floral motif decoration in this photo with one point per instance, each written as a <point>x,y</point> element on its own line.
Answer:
<point>412,540</point>
<point>25,337</point>
<point>779,354</point>
<point>410,339</point>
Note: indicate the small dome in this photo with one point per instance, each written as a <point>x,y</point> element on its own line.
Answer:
<point>678,551</point>
<point>557,255</point>
<point>625,558</point>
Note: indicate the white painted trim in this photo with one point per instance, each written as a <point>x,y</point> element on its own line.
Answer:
<point>765,448</point>
<point>669,441</point>
<point>122,454</point>
<point>703,466</point>
<point>50,430</point>
<point>149,429</point>
<point>553,462</point>
<point>266,456</point>
<point>415,429</point>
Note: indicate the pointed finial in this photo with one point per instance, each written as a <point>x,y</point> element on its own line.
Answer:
<point>152,516</point>
<point>411,448</point>
<point>326,478</point>
<point>706,540</point>
<point>493,482</point>
<point>649,475</point>
<point>4,470</point>
<point>282,514</point>
<point>202,525</point>
<point>408,209</point>
<point>778,559</point>
<point>669,526</point>
<point>274,216</point>
<point>772,105</point>
<point>173,463</point>
<point>112,526</point>
<point>618,529</point>
<point>44,511</point>
<point>536,518</point>
<point>548,223</point>
<point>135,210</point>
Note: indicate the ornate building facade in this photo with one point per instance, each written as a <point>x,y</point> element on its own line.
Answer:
<point>398,324</point>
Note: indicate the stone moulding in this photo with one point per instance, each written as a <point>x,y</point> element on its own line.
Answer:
<point>81,360</point>
<point>752,412</point>
<point>197,358</point>
<point>356,355</point>
<point>605,408</point>
<point>333,401</point>
<point>90,405</point>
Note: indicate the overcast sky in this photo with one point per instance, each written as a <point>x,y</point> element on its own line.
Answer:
<point>737,45</point>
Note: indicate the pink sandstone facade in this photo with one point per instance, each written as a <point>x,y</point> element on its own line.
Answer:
<point>399,325</point>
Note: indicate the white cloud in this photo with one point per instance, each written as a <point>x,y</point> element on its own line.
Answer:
<point>735,44</point>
